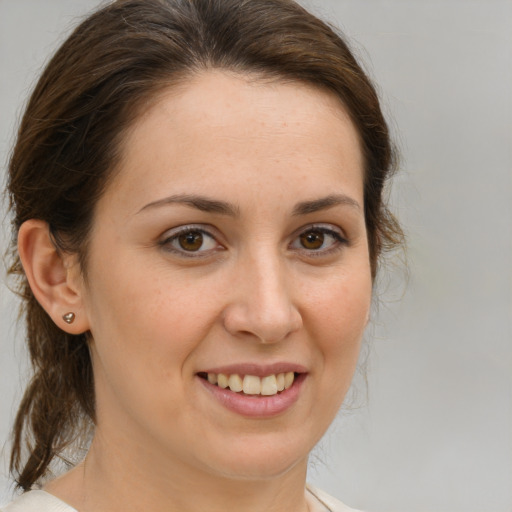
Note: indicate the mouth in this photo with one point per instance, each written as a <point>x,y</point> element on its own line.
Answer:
<point>252,385</point>
<point>255,391</point>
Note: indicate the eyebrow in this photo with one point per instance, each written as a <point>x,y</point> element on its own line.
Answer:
<point>324,203</point>
<point>208,205</point>
<point>200,202</point>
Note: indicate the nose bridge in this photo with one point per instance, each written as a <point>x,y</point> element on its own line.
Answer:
<point>264,305</point>
<point>271,297</point>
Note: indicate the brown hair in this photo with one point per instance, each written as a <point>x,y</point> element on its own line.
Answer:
<point>69,143</point>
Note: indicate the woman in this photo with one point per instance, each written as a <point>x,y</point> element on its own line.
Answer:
<point>197,199</point>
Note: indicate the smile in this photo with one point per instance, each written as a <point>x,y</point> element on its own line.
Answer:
<point>246,394</point>
<point>268,385</point>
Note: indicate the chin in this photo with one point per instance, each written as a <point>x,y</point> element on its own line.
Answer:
<point>255,460</point>
<point>262,470</point>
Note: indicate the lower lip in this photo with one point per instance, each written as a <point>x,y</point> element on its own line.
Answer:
<point>257,406</point>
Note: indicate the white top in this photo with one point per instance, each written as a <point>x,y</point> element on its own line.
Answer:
<point>42,501</point>
<point>38,501</point>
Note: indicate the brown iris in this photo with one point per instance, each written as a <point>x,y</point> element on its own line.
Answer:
<point>191,241</point>
<point>312,240</point>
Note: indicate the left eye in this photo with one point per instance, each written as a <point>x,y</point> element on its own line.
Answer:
<point>191,241</point>
<point>318,239</point>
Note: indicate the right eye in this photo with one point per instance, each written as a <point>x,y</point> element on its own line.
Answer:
<point>190,241</point>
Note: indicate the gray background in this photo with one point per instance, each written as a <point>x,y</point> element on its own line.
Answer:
<point>435,433</point>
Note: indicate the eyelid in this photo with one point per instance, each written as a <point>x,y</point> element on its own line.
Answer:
<point>172,234</point>
<point>165,240</point>
<point>328,229</point>
<point>324,227</point>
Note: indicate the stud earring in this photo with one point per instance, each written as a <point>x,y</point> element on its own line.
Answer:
<point>69,318</point>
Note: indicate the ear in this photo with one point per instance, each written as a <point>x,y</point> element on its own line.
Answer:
<point>54,277</point>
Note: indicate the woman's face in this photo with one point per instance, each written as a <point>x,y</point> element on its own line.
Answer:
<point>229,250</point>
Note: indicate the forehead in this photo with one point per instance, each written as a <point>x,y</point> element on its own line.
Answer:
<point>223,127</point>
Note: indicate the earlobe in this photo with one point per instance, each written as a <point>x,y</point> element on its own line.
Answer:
<point>54,278</point>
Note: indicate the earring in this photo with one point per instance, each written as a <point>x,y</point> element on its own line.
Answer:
<point>69,318</point>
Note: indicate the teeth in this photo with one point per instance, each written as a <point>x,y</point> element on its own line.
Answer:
<point>280,381</point>
<point>253,385</point>
<point>269,385</point>
<point>288,379</point>
<point>222,380</point>
<point>235,383</point>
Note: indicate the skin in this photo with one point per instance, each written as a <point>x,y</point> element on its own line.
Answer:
<point>253,293</point>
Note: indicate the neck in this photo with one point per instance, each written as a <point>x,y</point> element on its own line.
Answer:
<point>115,479</point>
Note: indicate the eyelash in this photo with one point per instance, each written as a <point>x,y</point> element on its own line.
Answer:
<point>338,241</point>
<point>166,243</point>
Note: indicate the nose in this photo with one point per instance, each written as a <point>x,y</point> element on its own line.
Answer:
<point>262,306</point>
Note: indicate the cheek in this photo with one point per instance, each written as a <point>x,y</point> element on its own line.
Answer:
<point>339,315</point>
<point>341,307</point>
<point>141,340</point>
<point>336,321</point>
<point>150,322</point>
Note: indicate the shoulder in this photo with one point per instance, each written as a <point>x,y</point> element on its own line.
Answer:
<point>37,501</point>
<point>329,502</point>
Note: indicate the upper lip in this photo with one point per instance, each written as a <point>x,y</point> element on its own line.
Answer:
<point>257,370</point>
